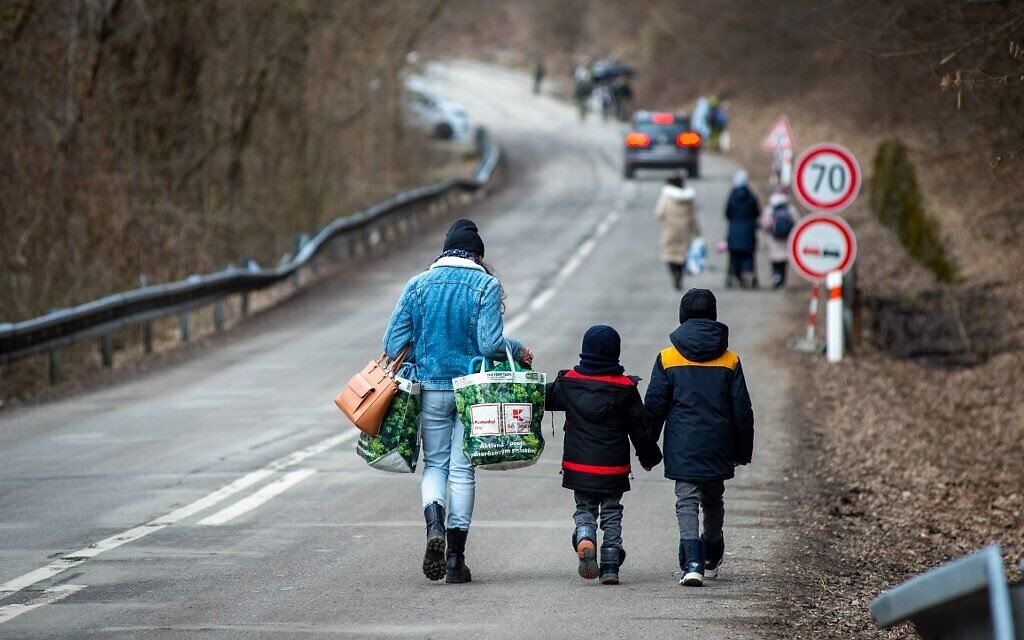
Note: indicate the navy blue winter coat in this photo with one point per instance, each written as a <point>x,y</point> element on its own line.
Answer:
<point>698,393</point>
<point>742,211</point>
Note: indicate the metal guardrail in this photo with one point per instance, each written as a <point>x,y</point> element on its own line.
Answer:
<point>964,599</point>
<point>98,319</point>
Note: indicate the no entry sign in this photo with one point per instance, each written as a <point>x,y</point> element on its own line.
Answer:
<point>828,178</point>
<point>820,244</point>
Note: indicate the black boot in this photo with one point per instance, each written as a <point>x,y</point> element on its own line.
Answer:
<point>457,571</point>
<point>584,543</point>
<point>713,554</point>
<point>433,558</point>
<point>691,563</point>
<point>611,559</point>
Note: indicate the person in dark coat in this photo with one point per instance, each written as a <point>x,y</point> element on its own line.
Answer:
<point>603,412</point>
<point>699,394</point>
<point>742,211</point>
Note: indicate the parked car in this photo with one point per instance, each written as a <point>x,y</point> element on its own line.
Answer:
<point>660,140</point>
<point>427,110</point>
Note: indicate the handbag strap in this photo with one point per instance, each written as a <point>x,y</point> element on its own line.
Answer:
<point>391,366</point>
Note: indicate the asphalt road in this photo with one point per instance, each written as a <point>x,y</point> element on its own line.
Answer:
<point>221,498</point>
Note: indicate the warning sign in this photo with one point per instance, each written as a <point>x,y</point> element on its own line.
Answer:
<point>780,138</point>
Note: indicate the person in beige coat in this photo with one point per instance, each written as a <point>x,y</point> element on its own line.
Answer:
<point>778,242</point>
<point>676,210</point>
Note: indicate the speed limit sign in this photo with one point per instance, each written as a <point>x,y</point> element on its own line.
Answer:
<point>828,178</point>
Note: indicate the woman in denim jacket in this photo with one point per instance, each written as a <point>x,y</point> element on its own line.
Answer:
<point>450,313</point>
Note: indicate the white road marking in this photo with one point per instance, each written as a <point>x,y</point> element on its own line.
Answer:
<point>78,557</point>
<point>571,265</point>
<point>249,503</point>
<point>54,594</point>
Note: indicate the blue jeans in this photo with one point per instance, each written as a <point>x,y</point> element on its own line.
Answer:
<point>445,466</point>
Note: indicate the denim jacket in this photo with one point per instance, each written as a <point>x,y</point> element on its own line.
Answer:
<point>451,313</point>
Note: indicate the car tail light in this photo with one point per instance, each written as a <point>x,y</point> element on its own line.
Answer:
<point>688,139</point>
<point>636,139</point>
<point>663,118</point>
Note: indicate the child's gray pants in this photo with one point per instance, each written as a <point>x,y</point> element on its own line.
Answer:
<point>690,497</point>
<point>606,505</point>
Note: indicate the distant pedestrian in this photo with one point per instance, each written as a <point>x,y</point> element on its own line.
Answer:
<point>716,123</point>
<point>777,221</point>
<point>676,210</point>
<point>742,211</point>
<point>582,88</point>
<point>698,392</point>
<point>603,412</point>
<point>538,74</point>
<point>449,314</point>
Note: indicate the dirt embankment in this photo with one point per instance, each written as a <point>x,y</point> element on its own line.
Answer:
<point>912,450</point>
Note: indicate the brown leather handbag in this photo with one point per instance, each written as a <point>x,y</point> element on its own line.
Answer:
<point>368,395</point>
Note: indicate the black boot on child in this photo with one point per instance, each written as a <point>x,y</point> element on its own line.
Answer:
<point>584,543</point>
<point>611,559</point>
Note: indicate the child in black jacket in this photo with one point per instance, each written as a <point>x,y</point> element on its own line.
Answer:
<point>698,392</point>
<point>603,411</point>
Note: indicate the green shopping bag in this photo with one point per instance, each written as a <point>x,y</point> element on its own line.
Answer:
<point>396,447</point>
<point>501,411</point>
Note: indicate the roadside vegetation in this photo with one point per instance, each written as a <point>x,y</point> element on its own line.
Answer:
<point>163,139</point>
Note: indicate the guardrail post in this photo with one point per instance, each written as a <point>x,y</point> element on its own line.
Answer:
<point>183,324</point>
<point>297,276</point>
<point>218,315</point>
<point>147,326</point>
<point>54,366</point>
<point>107,350</point>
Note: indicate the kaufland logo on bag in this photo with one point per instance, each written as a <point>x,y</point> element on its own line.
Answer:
<point>510,418</point>
<point>517,418</point>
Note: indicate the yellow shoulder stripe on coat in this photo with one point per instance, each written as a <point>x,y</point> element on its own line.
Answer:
<point>671,357</point>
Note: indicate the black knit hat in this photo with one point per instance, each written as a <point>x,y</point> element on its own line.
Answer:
<point>464,235</point>
<point>698,303</point>
<point>601,348</point>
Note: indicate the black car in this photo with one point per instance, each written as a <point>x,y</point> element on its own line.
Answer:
<point>660,140</point>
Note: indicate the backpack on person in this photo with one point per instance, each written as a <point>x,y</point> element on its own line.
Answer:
<point>782,221</point>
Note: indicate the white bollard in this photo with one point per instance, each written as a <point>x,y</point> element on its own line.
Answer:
<point>786,171</point>
<point>834,316</point>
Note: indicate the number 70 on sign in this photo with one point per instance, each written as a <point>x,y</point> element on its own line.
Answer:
<point>827,178</point>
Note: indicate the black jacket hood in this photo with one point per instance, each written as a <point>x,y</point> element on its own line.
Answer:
<point>701,340</point>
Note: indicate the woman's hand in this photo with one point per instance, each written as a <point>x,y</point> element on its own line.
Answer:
<point>527,357</point>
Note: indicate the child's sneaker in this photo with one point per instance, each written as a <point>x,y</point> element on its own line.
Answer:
<point>691,563</point>
<point>586,551</point>
<point>714,552</point>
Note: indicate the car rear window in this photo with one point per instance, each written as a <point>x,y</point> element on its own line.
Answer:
<point>670,130</point>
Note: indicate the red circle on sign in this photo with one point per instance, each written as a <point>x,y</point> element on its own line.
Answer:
<point>835,222</point>
<point>852,168</point>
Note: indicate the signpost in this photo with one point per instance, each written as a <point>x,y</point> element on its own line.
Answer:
<point>828,178</point>
<point>823,247</point>
<point>779,143</point>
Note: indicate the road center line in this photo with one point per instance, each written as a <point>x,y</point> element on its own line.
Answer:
<point>249,503</point>
<point>54,594</point>
<point>78,557</point>
<point>569,268</point>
